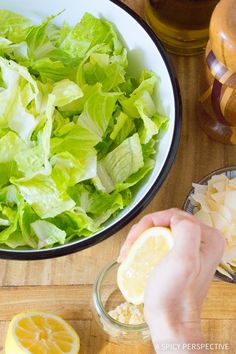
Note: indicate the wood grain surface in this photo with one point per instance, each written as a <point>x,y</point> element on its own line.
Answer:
<point>64,285</point>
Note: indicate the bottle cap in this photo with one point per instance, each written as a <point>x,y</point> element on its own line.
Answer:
<point>223,33</point>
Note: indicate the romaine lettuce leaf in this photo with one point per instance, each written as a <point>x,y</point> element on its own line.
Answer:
<point>4,222</point>
<point>26,217</point>
<point>10,196</point>
<point>136,177</point>
<point>148,81</point>
<point>13,26</point>
<point>123,127</point>
<point>48,234</point>
<point>7,170</point>
<point>149,128</point>
<point>78,141</point>
<point>66,91</point>
<point>12,215</point>
<point>54,71</point>
<point>10,145</point>
<point>39,43</point>
<point>42,194</point>
<point>120,164</point>
<point>69,170</point>
<point>77,106</point>
<point>4,43</point>
<point>34,159</point>
<point>17,52</point>
<point>101,206</point>
<point>98,112</point>
<point>15,240</point>
<point>108,70</point>
<point>8,231</point>
<point>14,113</point>
<point>76,223</point>
<point>88,33</point>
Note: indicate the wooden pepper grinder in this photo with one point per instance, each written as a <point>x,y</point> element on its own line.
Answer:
<point>217,106</point>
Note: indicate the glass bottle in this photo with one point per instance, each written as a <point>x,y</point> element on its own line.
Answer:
<point>182,25</point>
<point>106,297</point>
<point>217,104</point>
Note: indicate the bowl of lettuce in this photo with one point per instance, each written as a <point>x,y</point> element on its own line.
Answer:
<point>89,123</point>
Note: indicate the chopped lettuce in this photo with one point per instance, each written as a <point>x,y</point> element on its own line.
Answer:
<point>13,27</point>
<point>109,71</point>
<point>48,234</point>
<point>53,71</point>
<point>66,91</point>
<point>18,91</point>
<point>77,134</point>
<point>120,164</point>
<point>88,33</point>
<point>10,145</point>
<point>97,112</point>
<point>42,194</point>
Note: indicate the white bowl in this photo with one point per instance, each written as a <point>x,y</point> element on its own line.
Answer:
<point>144,50</point>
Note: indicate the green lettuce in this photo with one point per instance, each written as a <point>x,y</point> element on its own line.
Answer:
<point>108,70</point>
<point>120,164</point>
<point>97,112</point>
<point>14,111</point>
<point>42,194</point>
<point>66,91</point>
<point>26,217</point>
<point>10,145</point>
<point>47,233</point>
<point>78,134</point>
<point>13,27</point>
<point>88,33</point>
<point>52,70</point>
<point>123,127</point>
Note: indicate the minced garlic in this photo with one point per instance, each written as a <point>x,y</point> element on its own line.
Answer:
<point>128,314</point>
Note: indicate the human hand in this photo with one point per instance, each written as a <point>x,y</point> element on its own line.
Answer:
<point>177,287</point>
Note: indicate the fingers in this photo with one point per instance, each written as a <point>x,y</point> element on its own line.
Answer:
<point>211,239</point>
<point>194,240</point>
<point>187,236</point>
<point>213,245</point>
<point>160,218</point>
<point>132,236</point>
<point>186,251</point>
<point>163,218</point>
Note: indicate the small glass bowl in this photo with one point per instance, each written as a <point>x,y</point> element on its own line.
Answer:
<point>106,296</point>
<point>190,208</point>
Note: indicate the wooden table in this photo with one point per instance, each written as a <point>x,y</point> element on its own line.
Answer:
<point>64,285</point>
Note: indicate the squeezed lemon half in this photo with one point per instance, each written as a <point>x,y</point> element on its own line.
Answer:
<point>36,332</point>
<point>151,246</point>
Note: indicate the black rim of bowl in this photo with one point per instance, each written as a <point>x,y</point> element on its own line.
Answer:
<point>104,234</point>
<point>187,202</point>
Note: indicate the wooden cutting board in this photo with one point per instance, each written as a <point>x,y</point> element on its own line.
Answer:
<point>72,302</point>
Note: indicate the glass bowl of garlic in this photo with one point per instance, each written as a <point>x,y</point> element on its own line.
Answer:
<point>213,201</point>
<point>118,320</point>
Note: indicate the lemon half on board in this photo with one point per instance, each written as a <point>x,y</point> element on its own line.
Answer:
<point>151,246</point>
<point>36,332</point>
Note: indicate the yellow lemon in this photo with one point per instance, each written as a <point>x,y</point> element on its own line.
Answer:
<point>152,245</point>
<point>35,332</point>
